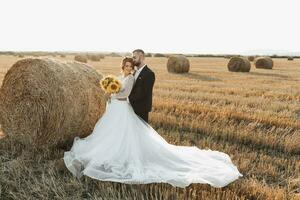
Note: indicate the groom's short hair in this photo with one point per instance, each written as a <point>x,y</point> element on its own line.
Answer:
<point>139,51</point>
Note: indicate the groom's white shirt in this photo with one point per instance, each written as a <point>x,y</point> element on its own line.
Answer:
<point>138,72</point>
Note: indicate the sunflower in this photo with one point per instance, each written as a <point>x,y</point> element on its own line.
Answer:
<point>104,83</point>
<point>108,90</point>
<point>110,84</point>
<point>114,88</point>
<point>117,81</point>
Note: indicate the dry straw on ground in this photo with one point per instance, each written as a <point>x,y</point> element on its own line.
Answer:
<point>178,64</point>
<point>239,64</point>
<point>264,63</point>
<point>50,100</point>
<point>81,58</point>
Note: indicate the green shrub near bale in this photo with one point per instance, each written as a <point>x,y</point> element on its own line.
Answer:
<point>239,64</point>
<point>178,64</point>
<point>113,54</point>
<point>128,54</point>
<point>290,58</point>
<point>81,58</point>
<point>264,63</point>
<point>251,58</point>
<point>50,100</point>
<point>159,55</point>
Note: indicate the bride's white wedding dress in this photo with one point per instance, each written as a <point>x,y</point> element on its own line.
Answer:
<point>124,148</point>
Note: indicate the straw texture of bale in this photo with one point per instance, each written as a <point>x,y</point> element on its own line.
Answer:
<point>81,58</point>
<point>50,100</point>
<point>178,64</point>
<point>264,63</point>
<point>239,64</point>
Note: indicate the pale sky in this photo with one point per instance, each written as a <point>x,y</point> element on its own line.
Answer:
<point>173,26</point>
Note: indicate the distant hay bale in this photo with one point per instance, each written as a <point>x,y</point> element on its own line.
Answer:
<point>50,100</point>
<point>62,55</point>
<point>239,64</point>
<point>251,58</point>
<point>95,57</point>
<point>290,58</point>
<point>81,58</point>
<point>264,63</point>
<point>178,64</point>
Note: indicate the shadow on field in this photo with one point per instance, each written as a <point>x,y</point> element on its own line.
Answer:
<point>269,74</point>
<point>200,77</point>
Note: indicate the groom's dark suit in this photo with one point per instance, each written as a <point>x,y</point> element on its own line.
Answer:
<point>140,96</point>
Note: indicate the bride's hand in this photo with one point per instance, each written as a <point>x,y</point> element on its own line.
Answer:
<point>107,96</point>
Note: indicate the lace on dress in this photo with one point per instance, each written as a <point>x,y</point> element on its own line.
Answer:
<point>127,84</point>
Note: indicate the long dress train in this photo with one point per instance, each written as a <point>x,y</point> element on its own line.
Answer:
<point>124,148</point>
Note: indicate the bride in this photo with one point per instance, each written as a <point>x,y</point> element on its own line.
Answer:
<point>124,148</point>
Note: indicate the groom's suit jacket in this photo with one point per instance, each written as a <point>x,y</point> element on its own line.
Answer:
<point>140,96</point>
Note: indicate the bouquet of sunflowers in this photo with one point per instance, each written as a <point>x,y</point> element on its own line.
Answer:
<point>110,84</point>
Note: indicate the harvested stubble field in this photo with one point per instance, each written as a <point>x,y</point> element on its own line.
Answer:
<point>254,117</point>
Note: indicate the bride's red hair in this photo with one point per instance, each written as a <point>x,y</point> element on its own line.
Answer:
<point>127,59</point>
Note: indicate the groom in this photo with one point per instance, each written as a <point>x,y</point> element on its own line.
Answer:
<point>140,96</point>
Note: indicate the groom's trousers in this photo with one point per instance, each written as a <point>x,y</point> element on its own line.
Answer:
<point>144,116</point>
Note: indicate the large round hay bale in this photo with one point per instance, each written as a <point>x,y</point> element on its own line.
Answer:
<point>81,58</point>
<point>263,63</point>
<point>239,64</point>
<point>290,58</point>
<point>50,100</point>
<point>178,64</point>
<point>251,58</point>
